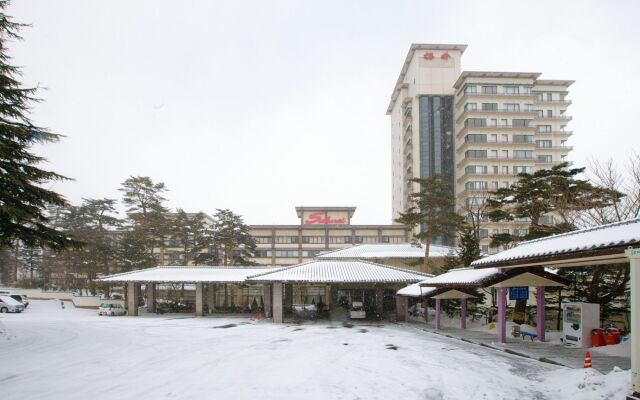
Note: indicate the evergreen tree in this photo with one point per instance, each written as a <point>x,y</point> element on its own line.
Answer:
<point>554,192</point>
<point>23,194</point>
<point>195,236</point>
<point>433,213</point>
<point>468,245</point>
<point>233,245</point>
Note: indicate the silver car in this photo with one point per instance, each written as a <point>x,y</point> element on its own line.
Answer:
<point>8,304</point>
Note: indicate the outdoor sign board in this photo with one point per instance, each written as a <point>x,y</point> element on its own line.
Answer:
<point>519,293</point>
<point>325,218</point>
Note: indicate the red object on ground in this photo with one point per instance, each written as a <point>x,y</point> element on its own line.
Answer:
<point>597,337</point>
<point>612,336</point>
<point>587,360</point>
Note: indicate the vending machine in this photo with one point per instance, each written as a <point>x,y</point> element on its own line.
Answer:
<point>578,321</point>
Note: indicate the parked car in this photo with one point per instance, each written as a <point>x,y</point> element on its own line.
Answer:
<point>22,298</point>
<point>357,310</point>
<point>111,309</point>
<point>9,304</point>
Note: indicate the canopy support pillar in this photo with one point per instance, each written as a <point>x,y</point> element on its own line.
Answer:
<point>425,302</point>
<point>463,313</point>
<point>151,296</point>
<point>502,315</point>
<point>133,292</point>
<point>540,313</point>
<point>438,310</point>
<point>267,300</point>
<point>199,299</point>
<point>211,293</point>
<point>277,303</point>
<point>634,280</point>
<point>406,309</point>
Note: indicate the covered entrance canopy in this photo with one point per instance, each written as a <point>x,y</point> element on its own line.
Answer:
<point>210,276</point>
<point>465,280</point>
<point>345,276</point>
<point>602,245</point>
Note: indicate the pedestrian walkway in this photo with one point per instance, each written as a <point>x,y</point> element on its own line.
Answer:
<point>571,357</point>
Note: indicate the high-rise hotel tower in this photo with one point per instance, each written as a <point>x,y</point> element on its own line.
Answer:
<point>476,129</point>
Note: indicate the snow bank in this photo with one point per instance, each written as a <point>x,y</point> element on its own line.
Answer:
<point>586,384</point>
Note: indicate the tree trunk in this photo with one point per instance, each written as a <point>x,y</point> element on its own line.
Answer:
<point>425,266</point>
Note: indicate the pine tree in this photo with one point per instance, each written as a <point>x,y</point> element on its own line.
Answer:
<point>468,245</point>
<point>194,235</point>
<point>433,213</point>
<point>232,242</point>
<point>23,194</point>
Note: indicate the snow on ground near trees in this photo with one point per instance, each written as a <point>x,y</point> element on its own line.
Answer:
<point>50,353</point>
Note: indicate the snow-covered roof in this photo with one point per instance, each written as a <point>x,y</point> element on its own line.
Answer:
<point>462,277</point>
<point>347,271</point>
<point>616,235</point>
<point>415,290</point>
<point>404,250</point>
<point>189,274</point>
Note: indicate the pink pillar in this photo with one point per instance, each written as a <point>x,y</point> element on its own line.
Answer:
<point>502,315</point>
<point>463,313</point>
<point>406,309</point>
<point>437,313</point>
<point>540,313</point>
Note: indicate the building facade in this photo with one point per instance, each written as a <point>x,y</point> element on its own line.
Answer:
<point>476,129</point>
<point>320,229</point>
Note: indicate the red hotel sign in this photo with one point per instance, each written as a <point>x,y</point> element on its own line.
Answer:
<point>323,218</point>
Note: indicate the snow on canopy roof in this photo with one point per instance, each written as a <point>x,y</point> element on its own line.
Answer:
<point>415,290</point>
<point>462,277</point>
<point>619,234</point>
<point>354,271</point>
<point>188,274</point>
<point>404,250</point>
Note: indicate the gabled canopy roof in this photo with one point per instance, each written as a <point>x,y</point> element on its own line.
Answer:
<point>599,245</point>
<point>376,251</point>
<point>335,271</point>
<point>415,290</point>
<point>179,274</point>
<point>493,277</point>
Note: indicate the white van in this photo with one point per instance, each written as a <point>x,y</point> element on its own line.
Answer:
<point>8,304</point>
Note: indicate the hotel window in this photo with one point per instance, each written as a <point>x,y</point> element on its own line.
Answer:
<point>546,159</point>
<point>483,233</point>
<point>493,138</point>
<point>313,239</point>
<point>476,138</point>
<point>489,106</point>
<point>286,239</point>
<point>512,107</point>
<point>562,128</point>
<point>476,154</point>
<point>505,138</point>
<point>505,169</point>
<point>494,185</point>
<point>476,169</point>
<point>493,154</point>
<point>504,154</point>
<point>471,106</point>
<point>494,169</point>
<point>522,138</point>
<point>521,170</point>
<point>540,113</point>
<point>475,201</point>
<point>527,89</point>
<point>505,184</point>
<point>489,89</point>
<point>549,96</point>
<point>485,248</point>
<point>539,96</point>
<point>521,123</point>
<point>563,96</point>
<point>544,128</point>
<point>470,89</point>
<point>562,112</point>
<point>549,113</point>
<point>398,239</point>
<point>262,254</point>
<point>522,154</point>
<point>528,107</point>
<point>544,144</point>
<point>475,185</point>
<point>369,239</point>
<point>493,122</point>
<point>339,239</point>
<point>263,239</point>
<point>358,239</point>
<point>511,90</point>
<point>286,253</point>
<point>384,239</point>
<point>505,122</point>
<point>475,122</point>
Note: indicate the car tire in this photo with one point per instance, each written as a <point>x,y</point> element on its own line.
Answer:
<point>4,310</point>
<point>112,314</point>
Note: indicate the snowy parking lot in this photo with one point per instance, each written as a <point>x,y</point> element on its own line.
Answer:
<point>53,353</point>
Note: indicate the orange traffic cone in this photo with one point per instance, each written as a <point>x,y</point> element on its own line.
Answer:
<point>587,360</point>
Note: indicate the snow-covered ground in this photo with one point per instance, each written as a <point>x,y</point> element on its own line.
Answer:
<point>50,353</point>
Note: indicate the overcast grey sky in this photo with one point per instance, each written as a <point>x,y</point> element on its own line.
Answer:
<point>262,106</point>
